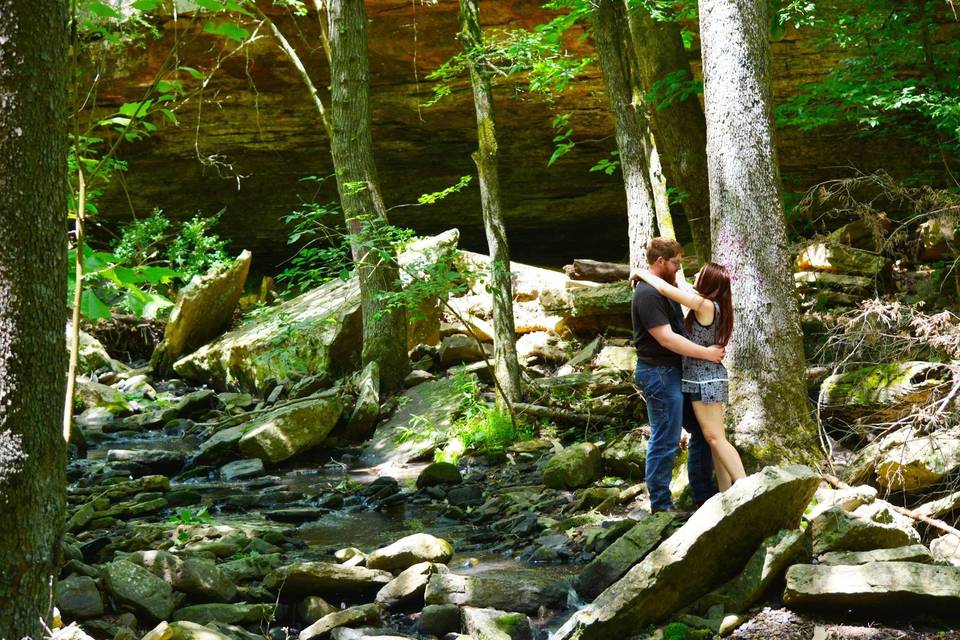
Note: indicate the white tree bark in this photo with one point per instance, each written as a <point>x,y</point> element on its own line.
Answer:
<point>768,405</point>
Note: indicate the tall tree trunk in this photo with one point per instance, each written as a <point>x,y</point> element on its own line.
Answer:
<point>768,400</point>
<point>680,129</point>
<point>33,314</point>
<point>506,366</point>
<point>609,22</point>
<point>351,145</point>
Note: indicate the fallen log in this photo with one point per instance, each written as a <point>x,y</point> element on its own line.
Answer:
<point>563,415</point>
<point>583,269</point>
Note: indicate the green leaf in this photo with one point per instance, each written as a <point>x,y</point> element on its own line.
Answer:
<point>196,75</point>
<point>171,116</point>
<point>103,10</point>
<point>135,109</point>
<point>145,5</point>
<point>155,304</point>
<point>92,307</point>
<point>227,30</point>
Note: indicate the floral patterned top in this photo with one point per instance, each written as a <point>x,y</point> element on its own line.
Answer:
<point>709,379</point>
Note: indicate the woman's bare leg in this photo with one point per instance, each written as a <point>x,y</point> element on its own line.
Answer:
<point>723,478</point>
<point>710,417</point>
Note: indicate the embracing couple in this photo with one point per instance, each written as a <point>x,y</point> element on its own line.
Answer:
<point>680,372</point>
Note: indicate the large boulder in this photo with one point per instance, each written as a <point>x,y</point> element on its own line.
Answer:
<point>882,392</point>
<point>873,526</point>
<point>79,598</point>
<point>406,590</point>
<point>366,410</point>
<point>711,548</point>
<point>439,473</point>
<point>354,616</point>
<point>92,355</point>
<point>495,593</point>
<point>333,582</point>
<point>834,257</point>
<point>626,456</point>
<point>490,624</point>
<point>132,585</point>
<point>291,429</point>
<point>316,333</point>
<point>766,565</point>
<point>899,586</point>
<point>908,459</point>
<point>425,411</point>
<point>573,467</point>
<point>411,550</point>
<point>203,310</point>
<point>626,551</point>
<point>589,309</point>
<point>200,579</point>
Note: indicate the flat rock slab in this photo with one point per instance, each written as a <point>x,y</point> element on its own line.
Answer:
<point>430,406</point>
<point>132,585</point>
<point>711,548</point>
<point>203,309</point>
<point>871,526</point>
<point>327,580</point>
<point>364,614</point>
<point>910,553</point>
<point>238,613</point>
<point>318,332</point>
<point>406,590</point>
<point>897,585</point>
<point>495,593</point>
<point>626,551</point>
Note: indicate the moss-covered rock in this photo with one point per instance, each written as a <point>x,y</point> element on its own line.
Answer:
<point>837,258</point>
<point>291,429</point>
<point>574,467</point>
<point>203,309</point>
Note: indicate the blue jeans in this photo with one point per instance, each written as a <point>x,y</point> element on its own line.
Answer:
<point>669,412</point>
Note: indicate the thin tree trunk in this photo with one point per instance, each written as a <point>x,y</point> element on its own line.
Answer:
<point>74,347</point>
<point>33,293</point>
<point>384,329</point>
<point>768,402</point>
<point>630,125</point>
<point>506,366</point>
<point>680,129</point>
<point>658,182</point>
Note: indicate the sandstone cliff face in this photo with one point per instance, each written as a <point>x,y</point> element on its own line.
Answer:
<point>246,142</point>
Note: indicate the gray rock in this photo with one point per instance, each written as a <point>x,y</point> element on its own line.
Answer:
<point>363,614</point>
<point>495,593</point>
<point>847,499</point>
<point>626,551</point>
<point>946,548</point>
<point>330,581</point>
<point>162,462</point>
<point>200,579</point>
<point>469,495</point>
<point>411,550</point>
<point>241,469</point>
<point>417,377</point>
<point>431,405</point>
<point>714,544</point>
<point>291,429</point>
<point>574,467</point>
<point>438,473</point>
<point>912,553</point>
<point>490,624</point>
<point>893,585</point>
<point>236,613</point>
<point>312,608</point>
<point>626,456</point>
<point>765,566</point>
<point>221,446</point>
<point>78,598</point>
<point>940,507</point>
<point>132,585</point>
<point>459,348</point>
<point>250,568</point>
<point>406,590</point>
<point>186,630</point>
<point>440,619</point>
<point>872,526</point>
<point>202,311</point>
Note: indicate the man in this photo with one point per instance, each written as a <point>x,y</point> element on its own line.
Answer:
<point>659,337</point>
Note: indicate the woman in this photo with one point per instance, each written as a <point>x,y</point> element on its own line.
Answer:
<point>709,321</point>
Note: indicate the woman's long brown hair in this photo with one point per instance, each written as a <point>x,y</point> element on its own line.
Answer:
<point>714,284</point>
